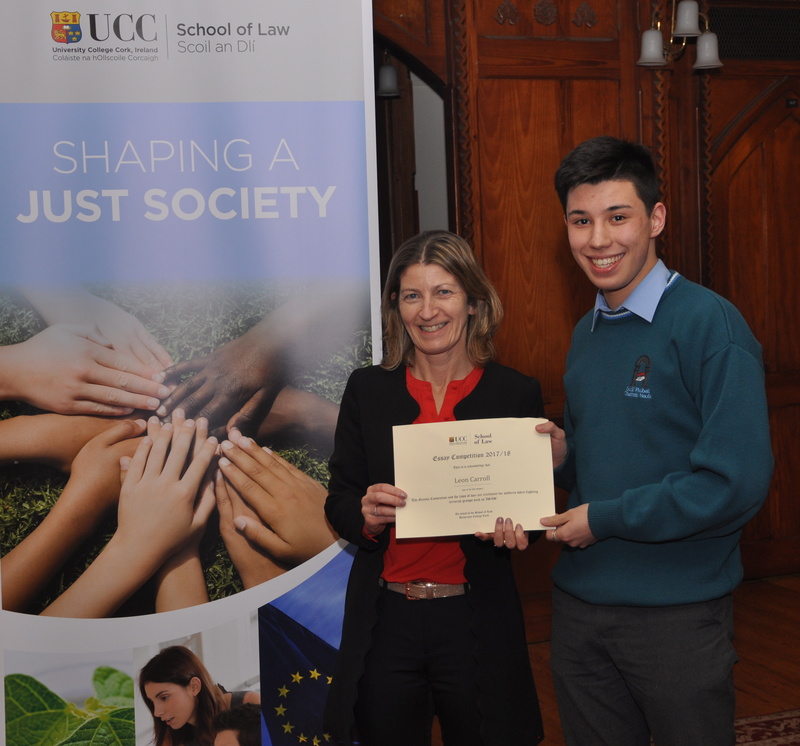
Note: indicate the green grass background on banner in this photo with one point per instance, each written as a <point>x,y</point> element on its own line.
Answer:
<point>189,321</point>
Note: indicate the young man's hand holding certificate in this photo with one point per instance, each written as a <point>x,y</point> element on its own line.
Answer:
<point>460,476</point>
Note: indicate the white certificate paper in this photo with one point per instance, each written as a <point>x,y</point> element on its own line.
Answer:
<point>460,476</point>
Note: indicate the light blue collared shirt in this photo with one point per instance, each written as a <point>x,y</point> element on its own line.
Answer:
<point>644,299</point>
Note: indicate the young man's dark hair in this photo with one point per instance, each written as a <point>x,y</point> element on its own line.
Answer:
<point>609,159</point>
<point>244,720</point>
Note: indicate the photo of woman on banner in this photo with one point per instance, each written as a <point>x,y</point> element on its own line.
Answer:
<point>184,700</point>
<point>432,627</point>
<point>280,525</point>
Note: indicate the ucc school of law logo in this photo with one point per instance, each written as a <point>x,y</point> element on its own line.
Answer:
<point>66,27</point>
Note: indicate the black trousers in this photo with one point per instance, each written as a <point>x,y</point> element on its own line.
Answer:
<point>420,664</point>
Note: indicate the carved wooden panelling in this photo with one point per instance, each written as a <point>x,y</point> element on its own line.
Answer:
<point>525,127</point>
<point>755,196</point>
<point>553,19</point>
<point>528,80</point>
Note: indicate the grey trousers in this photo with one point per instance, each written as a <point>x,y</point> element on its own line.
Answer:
<point>624,673</point>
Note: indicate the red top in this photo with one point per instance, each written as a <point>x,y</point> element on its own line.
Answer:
<point>437,560</point>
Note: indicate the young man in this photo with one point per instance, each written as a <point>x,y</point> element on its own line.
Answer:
<point>666,454</point>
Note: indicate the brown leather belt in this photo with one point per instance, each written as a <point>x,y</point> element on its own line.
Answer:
<point>420,590</point>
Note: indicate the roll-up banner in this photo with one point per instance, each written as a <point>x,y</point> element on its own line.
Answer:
<point>188,245</point>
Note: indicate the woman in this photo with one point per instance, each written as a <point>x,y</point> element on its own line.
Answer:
<point>183,699</point>
<point>462,655</point>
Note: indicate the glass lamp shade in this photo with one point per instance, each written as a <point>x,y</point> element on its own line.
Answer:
<point>387,82</point>
<point>652,49</point>
<point>688,19</point>
<point>707,52</point>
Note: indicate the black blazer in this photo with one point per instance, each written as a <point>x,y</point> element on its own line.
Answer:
<point>374,400</point>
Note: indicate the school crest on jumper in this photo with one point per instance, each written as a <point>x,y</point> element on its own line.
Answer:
<point>639,388</point>
<point>66,27</point>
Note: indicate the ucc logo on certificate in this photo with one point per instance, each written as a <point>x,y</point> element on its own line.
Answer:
<point>460,476</point>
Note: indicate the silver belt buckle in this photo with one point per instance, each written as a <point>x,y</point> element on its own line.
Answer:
<point>419,584</point>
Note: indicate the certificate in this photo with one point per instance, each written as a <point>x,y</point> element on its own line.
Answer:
<point>461,476</point>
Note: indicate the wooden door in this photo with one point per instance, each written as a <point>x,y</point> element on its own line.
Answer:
<point>755,262</point>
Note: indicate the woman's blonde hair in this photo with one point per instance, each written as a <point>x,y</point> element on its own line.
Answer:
<point>453,254</point>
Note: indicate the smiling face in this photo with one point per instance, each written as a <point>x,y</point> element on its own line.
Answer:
<point>612,237</point>
<point>435,312</point>
<point>176,705</point>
